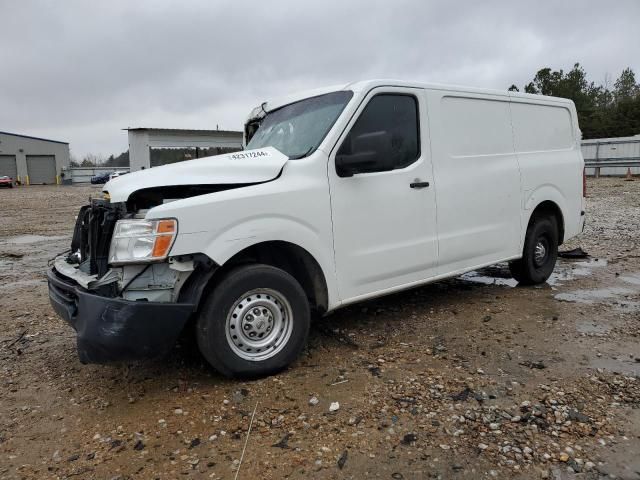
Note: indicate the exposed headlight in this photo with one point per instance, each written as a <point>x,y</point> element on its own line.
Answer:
<point>140,241</point>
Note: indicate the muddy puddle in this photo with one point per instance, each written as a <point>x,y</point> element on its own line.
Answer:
<point>597,295</point>
<point>21,284</point>
<point>24,259</point>
<point>622,295</point>
<point>624,366</point>
<point>18,248</point>
<point>30,239</point>
<point>593,328</point>
<point>569,270</point>
<point>633,278</point>
<point>565,271</point>
<point>497,275</point>
<point>5,264</point>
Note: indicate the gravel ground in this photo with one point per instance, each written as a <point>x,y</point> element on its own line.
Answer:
<point>466,378</point>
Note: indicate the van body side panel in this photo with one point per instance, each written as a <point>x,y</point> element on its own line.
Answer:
<point>476,177</point>
<point>293,208</point>
<point>547,144</point>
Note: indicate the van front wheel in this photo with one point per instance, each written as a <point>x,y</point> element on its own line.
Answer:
<point>539,254</point>
<point>254,323</point>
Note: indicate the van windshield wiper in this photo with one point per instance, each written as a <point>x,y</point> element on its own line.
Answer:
<point>302,155</point>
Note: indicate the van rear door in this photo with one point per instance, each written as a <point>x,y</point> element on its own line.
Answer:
<point>547,142</point>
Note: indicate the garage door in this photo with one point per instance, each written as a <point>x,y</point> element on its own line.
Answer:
<point>41,169</point>
<point>8,166</point>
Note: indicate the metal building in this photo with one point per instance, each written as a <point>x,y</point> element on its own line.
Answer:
<point>32,160</point>
<point>143,140</point>
<point>612,155</point>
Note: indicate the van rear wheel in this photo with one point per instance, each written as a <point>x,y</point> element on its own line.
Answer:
<point>255,323</point>
<point>539,254</point>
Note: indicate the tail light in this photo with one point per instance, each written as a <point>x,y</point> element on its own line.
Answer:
<point>584,182</point>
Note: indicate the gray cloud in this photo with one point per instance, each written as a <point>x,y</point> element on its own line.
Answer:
<point>80,71</point>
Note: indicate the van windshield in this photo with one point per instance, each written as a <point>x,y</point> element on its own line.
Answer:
<point>298,128</point>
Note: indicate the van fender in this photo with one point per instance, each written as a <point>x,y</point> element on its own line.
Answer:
<point>533,198</point>
<point>222,245</point>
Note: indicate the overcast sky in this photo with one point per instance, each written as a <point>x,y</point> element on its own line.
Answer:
<point>80,71</point>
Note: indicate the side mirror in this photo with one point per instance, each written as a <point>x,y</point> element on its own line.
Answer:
<point>369,152</point>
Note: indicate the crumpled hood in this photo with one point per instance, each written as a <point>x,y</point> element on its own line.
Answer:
<point>248,166</point>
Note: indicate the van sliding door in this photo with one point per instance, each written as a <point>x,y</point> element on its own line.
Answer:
<point>477,179</point>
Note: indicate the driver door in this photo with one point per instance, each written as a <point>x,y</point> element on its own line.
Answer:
<point>382,196</point>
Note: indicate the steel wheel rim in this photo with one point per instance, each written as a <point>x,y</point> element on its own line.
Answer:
<point>259,324</point>
<point>540,252</point>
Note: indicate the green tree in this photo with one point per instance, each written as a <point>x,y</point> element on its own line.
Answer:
<point>601,111</point>
<point>626,87</point>
<point>121,160</point>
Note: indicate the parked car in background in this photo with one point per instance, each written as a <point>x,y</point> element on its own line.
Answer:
<point>6,181</point>
<point>117,174</point>
<point>341,195</point>
<point>101,178</point>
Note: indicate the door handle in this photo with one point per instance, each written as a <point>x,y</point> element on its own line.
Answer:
<point>419,184</point>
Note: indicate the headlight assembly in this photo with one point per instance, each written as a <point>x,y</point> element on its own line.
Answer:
<point>141,241</point>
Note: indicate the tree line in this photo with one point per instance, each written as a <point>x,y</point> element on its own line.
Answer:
<point>92,160</point>
<point>603,110</point>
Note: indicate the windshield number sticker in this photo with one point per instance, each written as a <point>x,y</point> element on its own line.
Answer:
<point>239,156</point>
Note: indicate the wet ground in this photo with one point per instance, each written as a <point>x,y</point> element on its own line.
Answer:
<point>473,377</point>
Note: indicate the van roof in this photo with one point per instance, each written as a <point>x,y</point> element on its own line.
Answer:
<point>365,85</point>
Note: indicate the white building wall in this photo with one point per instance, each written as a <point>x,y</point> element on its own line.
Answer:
<point>139,153</point>
<point>141,140</point>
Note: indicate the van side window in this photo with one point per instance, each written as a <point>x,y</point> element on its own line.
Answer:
<point>385,137</point>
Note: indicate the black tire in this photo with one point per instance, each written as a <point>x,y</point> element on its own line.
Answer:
<point>252,284</point>
<point>532,269</point>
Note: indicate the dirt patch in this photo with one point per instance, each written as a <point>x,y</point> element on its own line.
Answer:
<point>468,378</point>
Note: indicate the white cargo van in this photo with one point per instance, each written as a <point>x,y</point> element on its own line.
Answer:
<point>341,195</point>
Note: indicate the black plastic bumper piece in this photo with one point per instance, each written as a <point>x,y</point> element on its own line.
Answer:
<point>113,329</point>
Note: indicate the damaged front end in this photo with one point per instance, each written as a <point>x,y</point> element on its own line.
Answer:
<point>119,286</point>
<point>119,254</point>
<point>87,261</point>
<point>119,289</point>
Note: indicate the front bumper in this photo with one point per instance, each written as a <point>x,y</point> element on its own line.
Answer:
<point>113,329</point>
